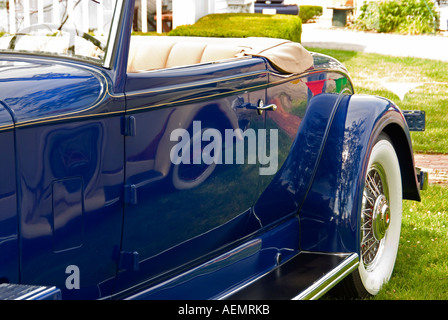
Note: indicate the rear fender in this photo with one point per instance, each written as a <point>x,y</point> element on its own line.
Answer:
<point>330,212</point>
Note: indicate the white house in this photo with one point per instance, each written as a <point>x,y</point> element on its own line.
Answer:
<point>182,12</point>
<point>18,14</point>
<point>173,12</point>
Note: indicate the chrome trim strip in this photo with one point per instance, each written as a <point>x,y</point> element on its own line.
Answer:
<point>38,292</point>
<point>41,294</point>
<point>328,281</point>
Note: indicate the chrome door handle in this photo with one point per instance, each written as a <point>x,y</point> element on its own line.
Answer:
<point>262,107</point>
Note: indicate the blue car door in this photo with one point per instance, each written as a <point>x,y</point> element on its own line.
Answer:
<point>188,188</point>
<point>70,175</point>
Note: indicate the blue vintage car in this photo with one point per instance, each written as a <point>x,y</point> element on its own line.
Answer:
<point>139,167</point>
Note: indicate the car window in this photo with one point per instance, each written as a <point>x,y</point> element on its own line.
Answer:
<point>74,28</point>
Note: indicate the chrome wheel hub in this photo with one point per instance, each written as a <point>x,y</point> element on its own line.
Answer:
<point>375,216</point>
<point>380,218</point>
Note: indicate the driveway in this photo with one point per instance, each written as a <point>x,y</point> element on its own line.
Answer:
<point>323,35</point>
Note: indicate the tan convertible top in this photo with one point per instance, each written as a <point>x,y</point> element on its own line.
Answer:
<point>287,56</point>
<point>149,53</point>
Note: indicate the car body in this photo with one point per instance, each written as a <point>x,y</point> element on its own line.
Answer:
<point>122,180</point>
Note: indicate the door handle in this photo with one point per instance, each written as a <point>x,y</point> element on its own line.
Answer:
<point>262,107</point>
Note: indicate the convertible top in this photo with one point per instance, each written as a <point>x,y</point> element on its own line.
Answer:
<point>149,53</point>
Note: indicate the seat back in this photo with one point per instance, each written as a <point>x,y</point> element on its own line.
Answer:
<point>150,53</point>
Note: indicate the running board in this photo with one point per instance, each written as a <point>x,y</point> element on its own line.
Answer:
<point>307,276</point>
<point>10,291</point>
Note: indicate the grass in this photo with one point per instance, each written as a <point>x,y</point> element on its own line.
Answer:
<point>421,269</point>
<point>371,74</point>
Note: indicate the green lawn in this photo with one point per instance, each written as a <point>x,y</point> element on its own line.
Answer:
<point>421,269</point>
<point>373,73</point>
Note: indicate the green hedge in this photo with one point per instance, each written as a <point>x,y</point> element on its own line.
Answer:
<point>308,13</point>
<point>243,25</point>
<point>399,16</point>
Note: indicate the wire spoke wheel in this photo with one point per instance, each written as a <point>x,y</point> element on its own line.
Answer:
<point>375,215</point>
<point>380,223</point>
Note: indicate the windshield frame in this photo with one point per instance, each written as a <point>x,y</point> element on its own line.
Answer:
<point>112,41</point>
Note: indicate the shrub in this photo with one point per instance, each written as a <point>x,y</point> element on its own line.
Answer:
<point>402,16</point>
<point>243,25</point>
<point>307,13</point>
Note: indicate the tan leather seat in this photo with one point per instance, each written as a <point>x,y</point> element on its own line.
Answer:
<point>185,53</point>
<point>217,52</point>
<point>149,53</point>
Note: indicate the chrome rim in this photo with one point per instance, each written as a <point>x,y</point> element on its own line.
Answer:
<point>375,217</point>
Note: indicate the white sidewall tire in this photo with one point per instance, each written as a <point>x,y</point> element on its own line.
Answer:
<point>384,154</point>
